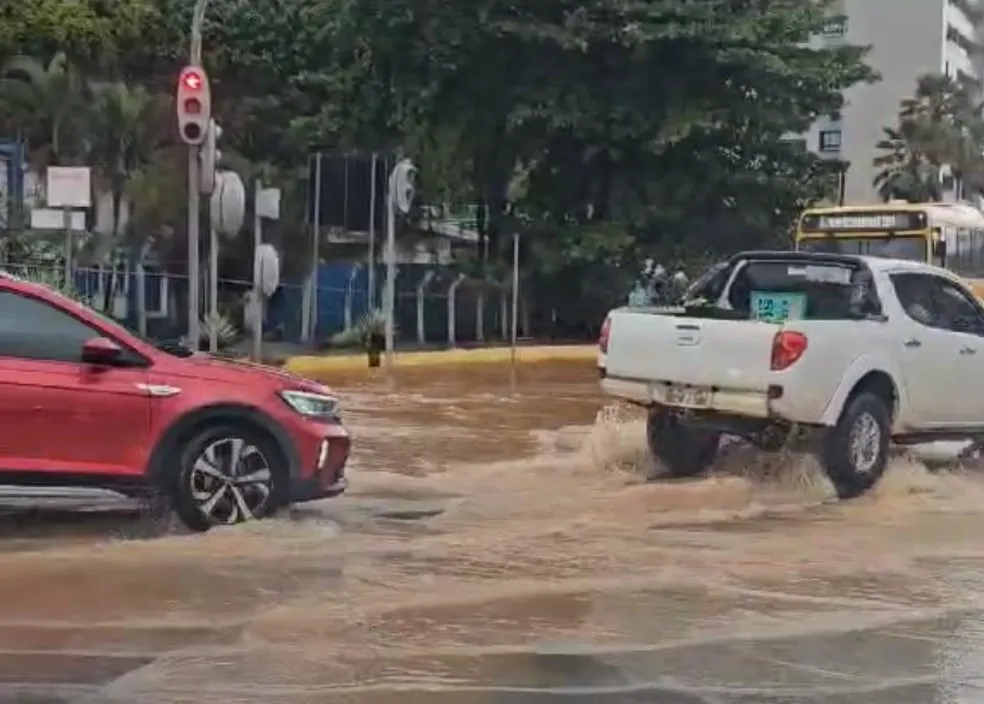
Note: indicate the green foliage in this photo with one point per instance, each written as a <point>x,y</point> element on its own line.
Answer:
<point>54,280</point>
<point>603,131</point>
<point>373,323</point>
<point>939,125</point>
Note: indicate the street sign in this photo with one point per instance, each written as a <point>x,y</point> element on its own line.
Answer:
<point>48,219</point>
<point>268,203</point>
<point>69,187</point>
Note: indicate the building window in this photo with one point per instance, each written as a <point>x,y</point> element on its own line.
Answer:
<point>830,141</point>
<point>835,27</point>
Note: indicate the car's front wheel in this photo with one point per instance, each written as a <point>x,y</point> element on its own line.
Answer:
<point>227,475</point>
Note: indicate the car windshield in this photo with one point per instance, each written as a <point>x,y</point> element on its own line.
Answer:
<point>910,247</point>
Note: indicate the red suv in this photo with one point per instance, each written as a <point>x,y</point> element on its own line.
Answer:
<point>85,402</point>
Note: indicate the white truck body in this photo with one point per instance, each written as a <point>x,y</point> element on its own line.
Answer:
<point>723,366</point>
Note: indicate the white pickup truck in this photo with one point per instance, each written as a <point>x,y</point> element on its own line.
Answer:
<point>840,355</point>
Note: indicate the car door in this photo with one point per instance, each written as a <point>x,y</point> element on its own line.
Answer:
<point>929,357</point>
<point>961,317</point>
<point>58,414</point>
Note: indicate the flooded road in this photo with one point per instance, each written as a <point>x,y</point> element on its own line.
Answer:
<point>501,547</point>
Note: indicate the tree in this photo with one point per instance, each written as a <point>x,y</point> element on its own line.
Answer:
<point>939,126</point>
<point>123,134</point>
<point>904,171</point>
<point>46,102</point>
<point>87,31</point>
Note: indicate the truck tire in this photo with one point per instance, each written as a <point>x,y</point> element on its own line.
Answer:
<point>855,452</point>
<point>684,451</point>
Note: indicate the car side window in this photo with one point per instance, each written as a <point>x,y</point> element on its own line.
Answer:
<point>916,294</point>
<point>957,310</point>
<point>34,329</point>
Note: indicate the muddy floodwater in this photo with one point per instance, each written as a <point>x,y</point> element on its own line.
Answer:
<point>499,546</point>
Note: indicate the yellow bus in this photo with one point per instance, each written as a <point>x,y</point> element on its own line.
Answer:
<point>946,234</point>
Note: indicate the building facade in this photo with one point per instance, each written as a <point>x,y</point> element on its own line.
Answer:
<point>913,38</point>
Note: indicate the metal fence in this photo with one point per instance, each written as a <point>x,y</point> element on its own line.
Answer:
<point>434,307</point>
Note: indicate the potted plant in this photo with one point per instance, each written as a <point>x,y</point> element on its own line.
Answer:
<point>226,333</point>
<point>369,333</point>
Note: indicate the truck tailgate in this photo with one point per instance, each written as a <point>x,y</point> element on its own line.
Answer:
<point>726,354</point>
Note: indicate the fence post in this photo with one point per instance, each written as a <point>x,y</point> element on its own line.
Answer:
<point>452,294</point>
<point>421,289</point>
<point>347,310</point>
<point>480,316</point>
<point>504,315</point>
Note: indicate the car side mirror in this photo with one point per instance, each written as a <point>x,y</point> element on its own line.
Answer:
<point>100,350</point>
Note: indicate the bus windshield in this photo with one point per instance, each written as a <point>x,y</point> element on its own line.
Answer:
<point>911,247</point>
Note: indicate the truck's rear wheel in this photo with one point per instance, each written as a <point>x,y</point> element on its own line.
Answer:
<point>683,450</point>
<point>855,452</point>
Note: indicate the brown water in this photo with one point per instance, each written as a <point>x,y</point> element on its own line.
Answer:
<point>501,546</point>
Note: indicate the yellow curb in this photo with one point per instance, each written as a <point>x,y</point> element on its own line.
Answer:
<point>312,365</point>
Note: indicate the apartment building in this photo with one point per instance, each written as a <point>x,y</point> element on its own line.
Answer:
<point>908,38</point>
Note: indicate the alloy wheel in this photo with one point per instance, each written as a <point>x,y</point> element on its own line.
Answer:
<point>231,481</point>
<point>865,443</point>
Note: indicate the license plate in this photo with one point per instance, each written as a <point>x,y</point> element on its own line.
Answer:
<point>683,396</point>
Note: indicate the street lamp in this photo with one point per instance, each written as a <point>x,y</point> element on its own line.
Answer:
<point>401,189</point>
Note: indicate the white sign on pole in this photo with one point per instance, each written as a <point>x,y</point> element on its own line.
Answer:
<point>69,187</point>
<point>228,203</point>
<point>268,203</point>
<point>48,219</point>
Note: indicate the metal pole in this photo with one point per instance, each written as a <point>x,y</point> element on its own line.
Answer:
<point>194,263</point>
<point>315,249</point>
<point>213,289</point>
<point>515,297</point>
<point>390,301</point>
<point>371,272</point>
<point>197,20</point>
<point>69,249</point>
<point>257,294</point>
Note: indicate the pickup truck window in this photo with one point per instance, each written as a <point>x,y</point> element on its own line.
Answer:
<point>830,291</point>
<point>937,302</point>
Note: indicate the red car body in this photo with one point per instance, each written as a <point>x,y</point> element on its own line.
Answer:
<point>115,415</point>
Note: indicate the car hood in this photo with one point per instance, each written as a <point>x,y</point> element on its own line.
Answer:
<point>206,366</point>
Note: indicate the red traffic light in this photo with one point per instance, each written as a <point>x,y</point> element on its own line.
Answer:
<point>194,104</point>
<point>192,80</point>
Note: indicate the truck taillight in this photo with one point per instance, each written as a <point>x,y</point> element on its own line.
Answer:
<point>606,328</point>
<point>787,348</point>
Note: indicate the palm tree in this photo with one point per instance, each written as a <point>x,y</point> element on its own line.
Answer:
<point>122,136</point>
<point>904,170</point>
<point>46,102</point>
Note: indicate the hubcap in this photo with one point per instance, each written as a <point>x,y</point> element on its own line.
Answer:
<point>231,481</point>
<point>865,443</point>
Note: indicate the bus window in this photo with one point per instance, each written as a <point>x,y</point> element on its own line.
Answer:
<point>910,247</point>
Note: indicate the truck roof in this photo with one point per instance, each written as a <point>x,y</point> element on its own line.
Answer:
<point>873,263</point>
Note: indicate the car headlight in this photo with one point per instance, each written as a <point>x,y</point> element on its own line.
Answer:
<point>311,404</point>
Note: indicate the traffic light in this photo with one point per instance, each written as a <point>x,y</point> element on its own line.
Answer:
<point>194,105</point>
<point>210,157</point>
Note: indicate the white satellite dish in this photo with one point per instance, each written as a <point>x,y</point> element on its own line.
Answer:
<point>228,203</point>
<point>267,263</point>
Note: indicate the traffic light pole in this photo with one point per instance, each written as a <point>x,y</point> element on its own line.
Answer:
<point>194,264</point>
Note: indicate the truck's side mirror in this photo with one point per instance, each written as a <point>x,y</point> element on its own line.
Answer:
<point>939,251</point>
